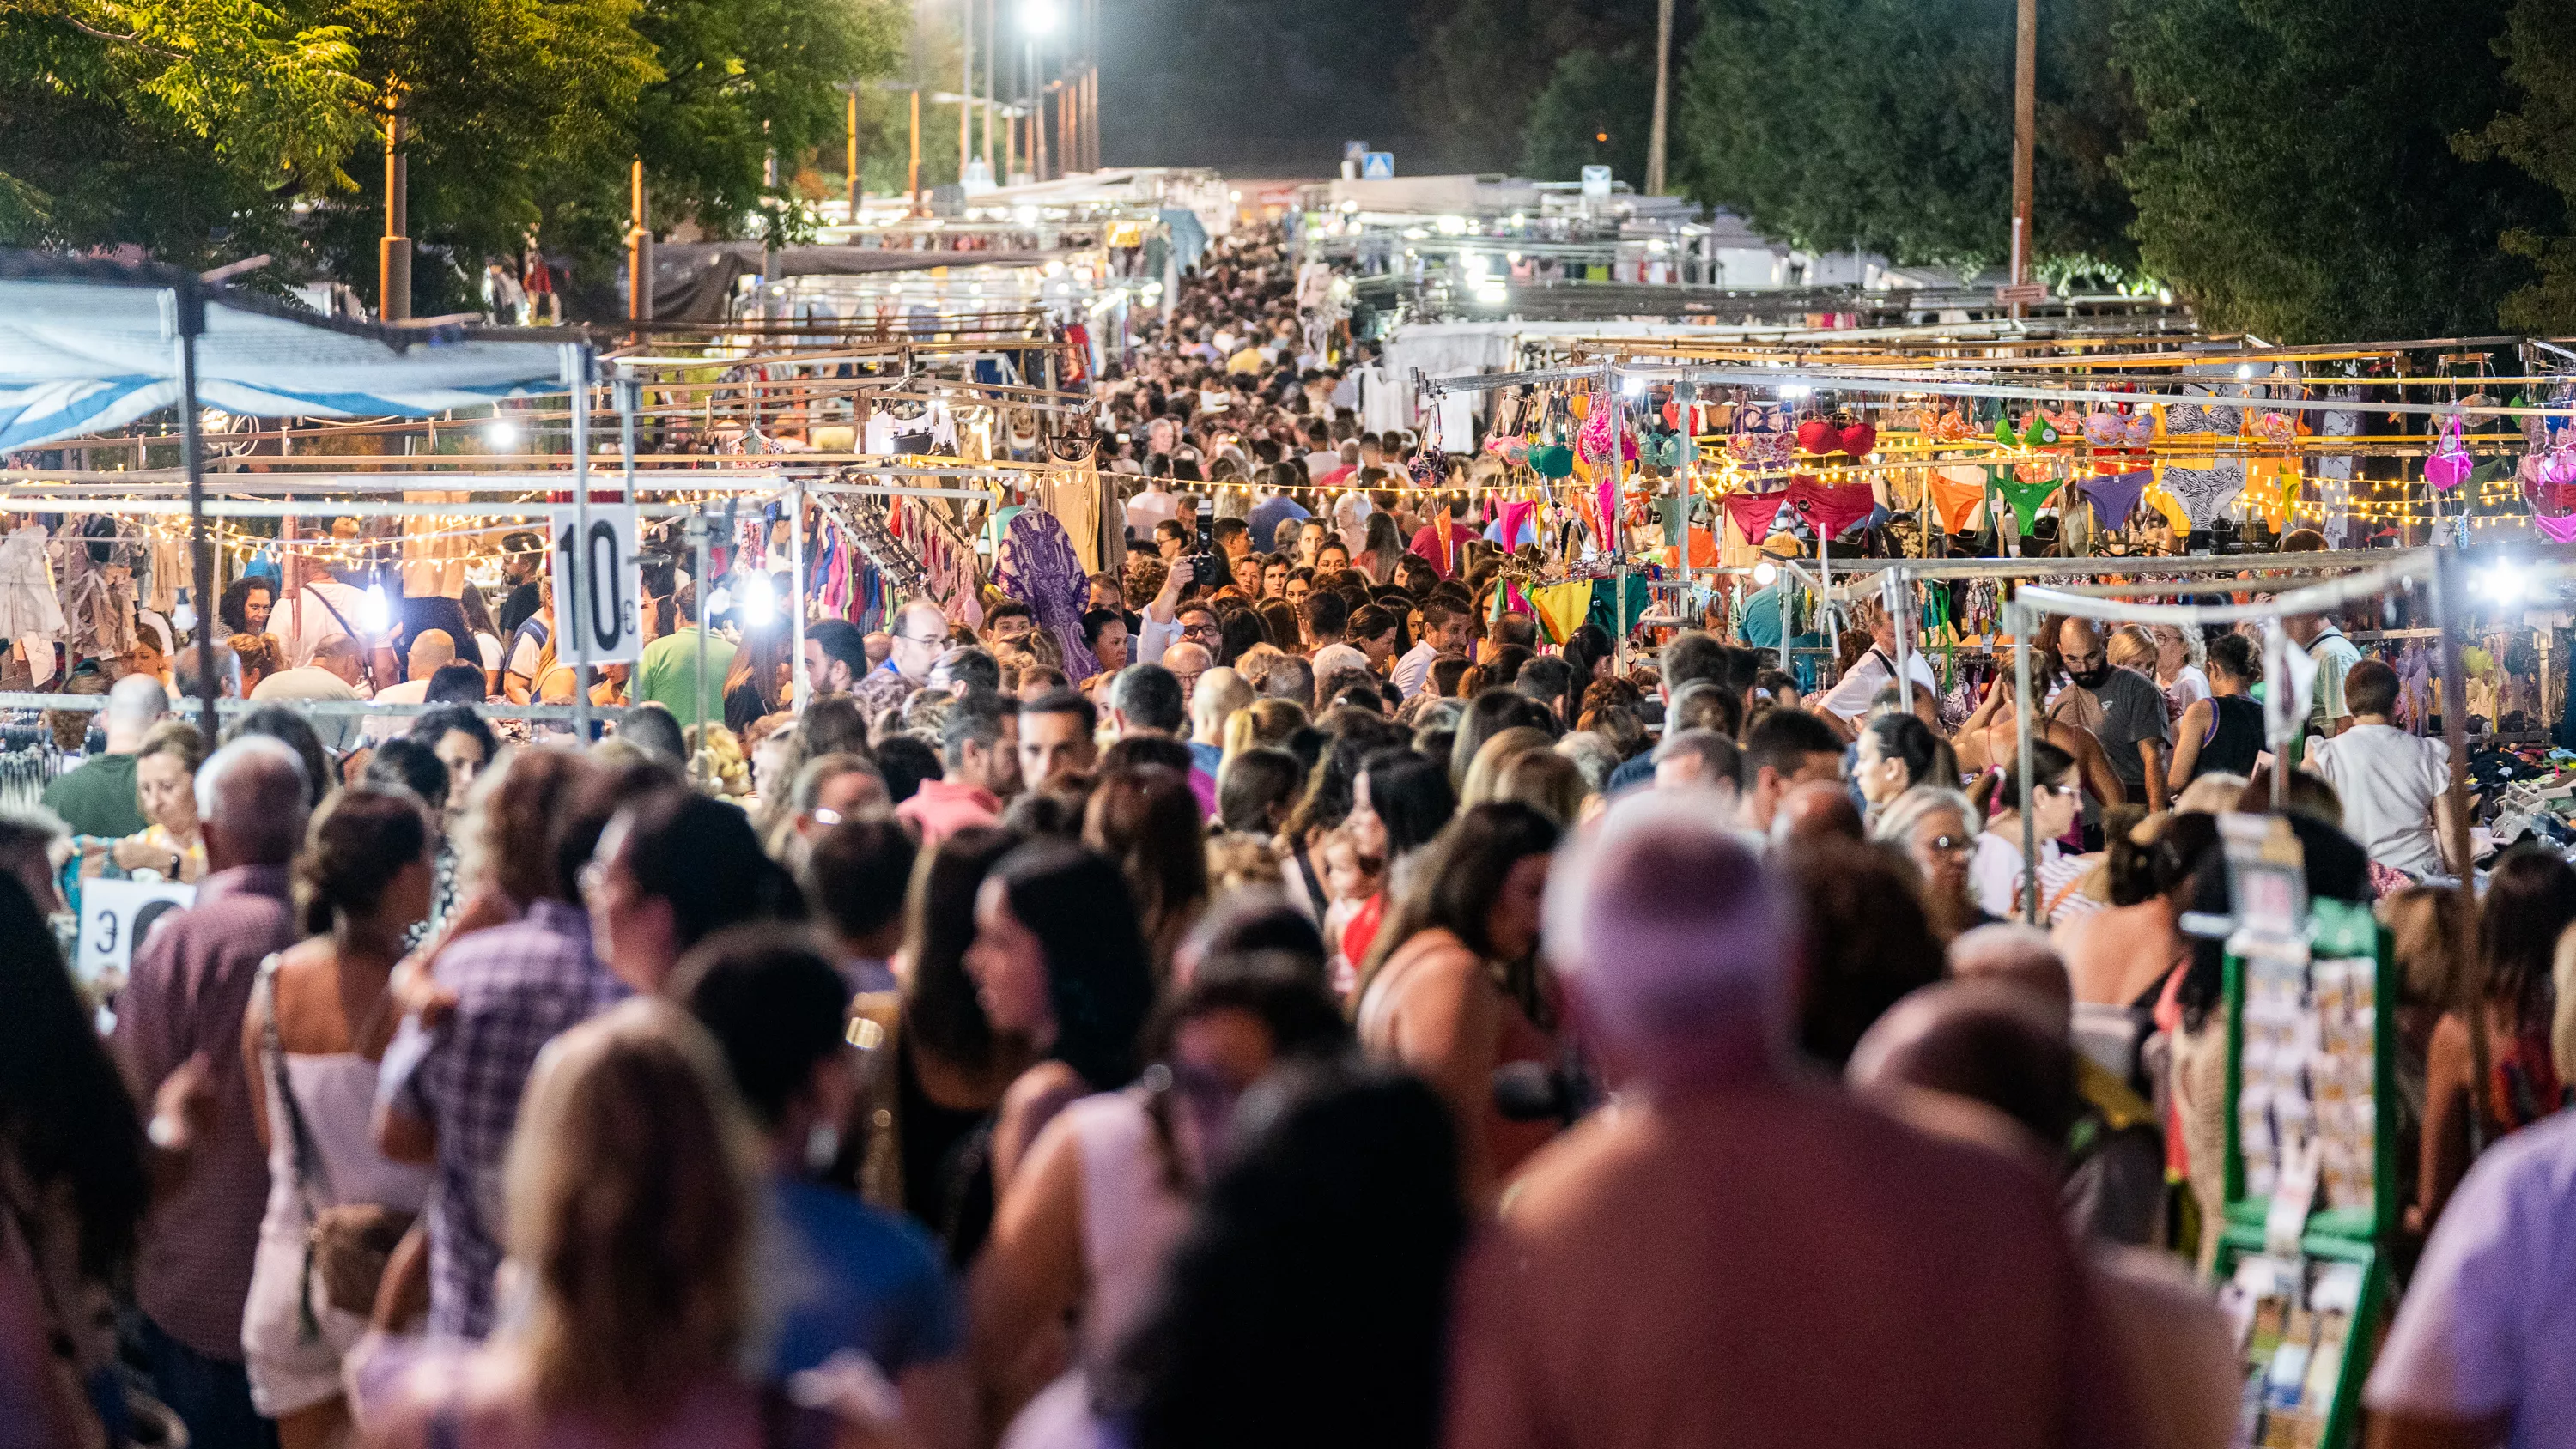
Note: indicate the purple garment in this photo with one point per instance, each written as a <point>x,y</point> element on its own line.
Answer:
<point>2114,496</point>
<point>517,987</point>
<point>1039,568</point>
<point>190,984</point>
<point>2485,1325</point>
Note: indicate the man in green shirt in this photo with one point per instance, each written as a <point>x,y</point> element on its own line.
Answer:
<point>98,797</point>
<point>667,675</point>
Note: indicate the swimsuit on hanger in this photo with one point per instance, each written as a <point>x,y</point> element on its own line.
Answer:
<point>2114,496</point>
<point>1954,501</point>
<point>2561,529</point>
<point>1754,513</point>
<point>2025,499</point>
<point>1831,509</point>
<point>2204,493</point>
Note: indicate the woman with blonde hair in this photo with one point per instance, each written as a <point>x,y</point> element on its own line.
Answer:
<point>633,1190</point>
<point>165,775</point>
<point>1542,779</point>
<point>1485,767</point>
<point>1262,723</point>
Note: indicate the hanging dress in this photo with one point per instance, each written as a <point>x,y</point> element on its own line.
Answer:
<point>28,608</point>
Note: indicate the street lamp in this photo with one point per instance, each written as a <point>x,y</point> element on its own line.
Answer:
<point>1037,17</point>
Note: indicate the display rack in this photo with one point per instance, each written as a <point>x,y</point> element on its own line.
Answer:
<point>2310,1182</point>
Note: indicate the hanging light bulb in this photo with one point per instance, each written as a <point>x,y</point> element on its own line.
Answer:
<point>376,615</point>
<point>758,600</point>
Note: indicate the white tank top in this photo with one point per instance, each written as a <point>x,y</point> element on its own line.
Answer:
<point>1131,1215</point>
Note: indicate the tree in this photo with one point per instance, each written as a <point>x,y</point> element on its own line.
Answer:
<point>2295,175</point>
<point>1594,112</point>
<point>2541,139</point>
<point>1477,77</point>
<point>1888,123</point>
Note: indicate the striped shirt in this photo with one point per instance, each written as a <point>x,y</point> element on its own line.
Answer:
<point>517,987</point>
<point>190,983</point>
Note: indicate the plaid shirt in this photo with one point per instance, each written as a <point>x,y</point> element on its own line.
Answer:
<point>517,986</point>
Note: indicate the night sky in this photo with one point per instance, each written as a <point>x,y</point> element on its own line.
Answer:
<point>1258,88</point>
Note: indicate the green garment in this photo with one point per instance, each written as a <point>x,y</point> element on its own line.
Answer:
<point>668,673</point>
<point>1605,604</point>
<point>2025,499</point>
<point>98,798</point>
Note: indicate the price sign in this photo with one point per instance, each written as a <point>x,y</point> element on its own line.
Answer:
<point>599,584</point>
<point>116,916</point>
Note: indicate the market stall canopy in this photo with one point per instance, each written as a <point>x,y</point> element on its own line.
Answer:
<point>691,280</point>
<point>86,345</point>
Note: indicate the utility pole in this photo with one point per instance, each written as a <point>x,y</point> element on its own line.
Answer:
<point>992,44</point>
<point>965,87</point>
<point>914,185</point>
<point>2025,137</point>
<point>393,254</point>
<point>855,190</point>
<point>639,250</point>
<point>1663,86</point>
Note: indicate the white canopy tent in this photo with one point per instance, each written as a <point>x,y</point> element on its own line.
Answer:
<point>87,345</point>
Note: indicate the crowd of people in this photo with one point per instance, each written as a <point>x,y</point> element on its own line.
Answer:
<point>1340,1018</point>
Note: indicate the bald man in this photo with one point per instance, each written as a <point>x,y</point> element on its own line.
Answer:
<point>914,644</point>
<point>1814,811</point>
<point>97,798</point>
<point>2122,708</point>
<point>1676,1271</point>
<point>191,982</point>
<point>431,651</point>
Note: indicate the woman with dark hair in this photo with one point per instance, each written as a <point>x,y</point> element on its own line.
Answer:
<point>1086,1226</point>
<point>1283,627</point>
<point>1342,1189</point>
<point>286,726</point>
<point>1061,967</point>
<point>2221,732</point>
<point>755,685</point>
<point>1453,988</point>
<point>1591,656</point>
<point>2123,954</point>
<point>1867,941</point>
<point>1146,818</point>
<point>1898,752</point>
<point>1488,715</point>
<point>2530,901</point>
<point>1239,630</point>
<point>318,1025</point>
<point>463,743</point>
<point>2054,794</point>
<point>245,605</point>
<point>1380,548</point>
<point>933,1069</point>
<point>73,1191</point>
<point>1400,802</point>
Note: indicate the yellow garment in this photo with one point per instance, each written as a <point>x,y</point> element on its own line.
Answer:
<point>1248,360</point>
<point>1561,608</point>
<point>2166,504</point>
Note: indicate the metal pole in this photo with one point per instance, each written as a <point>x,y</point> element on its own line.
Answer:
<point>183,316</point>
<point>965,88</point>
<point>1663,87</point>
<point>2468,967</point>
<point>853,127</point>
<point>2025,136</point>
<point>992,43</point>
<point>914,184</point>
<point>628,394</point>
<point>576,366</point>
<point>698,694</point>
<point>801,689</point>
<point>639,251</point>
<point>1891,596</point>
<point>393,260</point>
<point>2022,748</point>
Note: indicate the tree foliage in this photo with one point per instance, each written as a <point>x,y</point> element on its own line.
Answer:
<point>2296,175</point>
<point>205,129</point>
<point>1472,83</point>
<point>2540,137</point>
<point>1596,111</point>
<point>1889,123</point>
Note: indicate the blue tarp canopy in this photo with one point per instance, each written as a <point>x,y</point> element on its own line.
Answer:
<point>88,345</point>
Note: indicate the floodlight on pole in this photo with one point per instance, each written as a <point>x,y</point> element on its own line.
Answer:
<point>1038,17</point>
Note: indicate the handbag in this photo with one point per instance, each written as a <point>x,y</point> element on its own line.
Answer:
<point>346,1245</point>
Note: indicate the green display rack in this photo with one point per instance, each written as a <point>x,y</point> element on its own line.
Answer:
<point>2308,1318</point>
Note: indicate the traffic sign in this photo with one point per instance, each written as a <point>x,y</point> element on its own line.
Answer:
<point>603,606</point>
<point>1377,166</point>
<point>2026,294</point>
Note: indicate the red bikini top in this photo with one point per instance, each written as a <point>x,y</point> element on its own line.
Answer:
<point>1819,436</point>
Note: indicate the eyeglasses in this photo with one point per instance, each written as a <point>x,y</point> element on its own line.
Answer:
<point>1209,631</point>
<point>920,638</point>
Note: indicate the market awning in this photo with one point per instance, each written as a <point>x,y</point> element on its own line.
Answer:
<point>693,280</point>
<point>85,346</point>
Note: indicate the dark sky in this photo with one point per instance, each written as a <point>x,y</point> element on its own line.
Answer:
<point>1258,88</point>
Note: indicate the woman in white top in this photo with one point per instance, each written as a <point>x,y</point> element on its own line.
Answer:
<point>2053,794</point>
<point>311,1043</point>
<point>2181,657</point>
<point>1086,1224</point>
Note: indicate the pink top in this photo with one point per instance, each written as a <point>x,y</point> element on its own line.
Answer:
<point>941,808</point>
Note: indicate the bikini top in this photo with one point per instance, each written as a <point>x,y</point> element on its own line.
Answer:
<point>1820,436</point>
